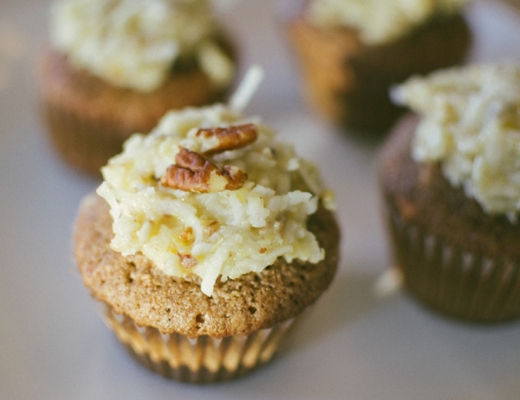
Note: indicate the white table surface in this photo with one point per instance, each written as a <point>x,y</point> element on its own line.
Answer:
<point>355,345</point>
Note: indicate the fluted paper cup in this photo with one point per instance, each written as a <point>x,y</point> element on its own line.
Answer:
<point>83,143</point>
<point>202,359</point>
<point>452,280</point>
<point>347,81</point>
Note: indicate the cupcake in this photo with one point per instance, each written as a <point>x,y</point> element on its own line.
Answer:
<point>113,68</point>
<point>206,241</point>
<point>451,191</point>
<point>351,52</point>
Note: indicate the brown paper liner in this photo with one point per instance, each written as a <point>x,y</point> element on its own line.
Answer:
<point>203,359</point>
<point>87,145</point>
<point>348,82</point>
<point>451,280</point>
<point>88,119</point>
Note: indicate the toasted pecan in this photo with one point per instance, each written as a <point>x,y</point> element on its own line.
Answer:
<point>194,173</point>
<point>230,138</point>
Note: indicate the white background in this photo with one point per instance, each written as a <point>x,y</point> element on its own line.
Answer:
<point>355,345</point>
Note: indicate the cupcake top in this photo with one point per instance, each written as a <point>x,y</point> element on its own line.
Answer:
<point>212,193</point>
<point>135,43</point>
<point>379,21</point>
<point>471,125</point>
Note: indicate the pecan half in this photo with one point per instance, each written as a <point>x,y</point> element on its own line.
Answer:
<point>193,173</point>
<point>230,138</point>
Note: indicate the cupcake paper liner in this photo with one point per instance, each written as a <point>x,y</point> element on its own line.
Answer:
<point>203,359</point>
<point>88,119</point>
<point>348,82</point>
<point>451,280</point>
<point>83,143</point>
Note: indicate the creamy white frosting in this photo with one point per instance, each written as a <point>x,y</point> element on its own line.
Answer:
<point>471,124</point>
<point>226,233</point>
<point>135,43</point>
<point>379,21</point>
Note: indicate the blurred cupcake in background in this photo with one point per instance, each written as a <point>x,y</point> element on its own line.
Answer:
<point>350,52</point>
<point>114,67</point>
<point>205,243</point>
<point>450,179</point>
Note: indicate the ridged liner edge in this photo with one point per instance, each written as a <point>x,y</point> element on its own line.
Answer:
<point>452,280</point>
<point>203,359</point>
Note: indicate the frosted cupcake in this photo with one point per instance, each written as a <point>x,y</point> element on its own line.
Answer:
<point>114,67</point>
<point>206,241</point>
<point>452,194</point>
<point>351,52</point>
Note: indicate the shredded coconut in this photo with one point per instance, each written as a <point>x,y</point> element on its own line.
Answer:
<point>135,43</point>
<point>226,233</point>
<point>471,124</point>
<point>379,21</point>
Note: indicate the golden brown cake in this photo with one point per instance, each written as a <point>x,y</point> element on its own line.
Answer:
<point>450,207</point>
<point>176,330</point>
<point>90,109</point>
<point>216,240</point>
<point>347,73</point>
